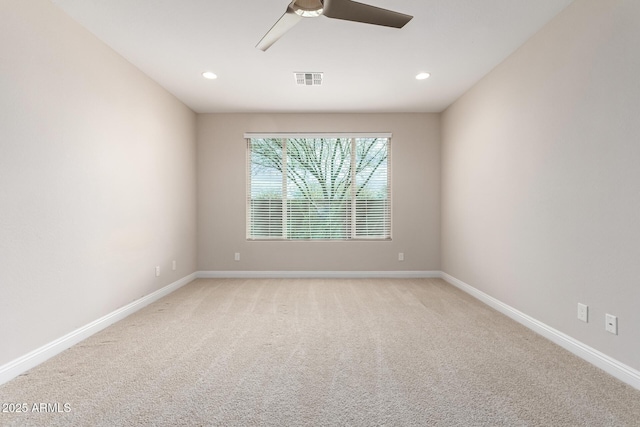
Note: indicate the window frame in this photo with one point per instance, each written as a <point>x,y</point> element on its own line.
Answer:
<point>387,237</point>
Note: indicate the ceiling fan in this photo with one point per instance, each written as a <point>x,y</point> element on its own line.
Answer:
<point>339,9</point>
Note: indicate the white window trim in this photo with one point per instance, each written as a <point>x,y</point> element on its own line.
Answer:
<point>262,135</point>
<point>351,135</point>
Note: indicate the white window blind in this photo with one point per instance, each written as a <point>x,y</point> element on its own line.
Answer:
<point>318,187</point>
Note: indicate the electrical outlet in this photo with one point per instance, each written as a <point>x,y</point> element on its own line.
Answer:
<point>173,265</point>
<point>611,324</point>
<point>583,312</point>
<point>400,256</point>
<point>158,271</point>
<point>236,256</point>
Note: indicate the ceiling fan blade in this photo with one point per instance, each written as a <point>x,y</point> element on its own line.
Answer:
<point>284,24</point>
<point>353,11</point>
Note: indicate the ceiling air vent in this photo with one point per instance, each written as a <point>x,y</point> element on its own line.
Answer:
<point>308,79</point>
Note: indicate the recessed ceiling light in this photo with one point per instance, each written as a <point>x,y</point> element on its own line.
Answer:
<point>423,76</point>
<point>209,75</point>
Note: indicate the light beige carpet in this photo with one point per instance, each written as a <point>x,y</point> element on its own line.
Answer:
<point>320,353</point>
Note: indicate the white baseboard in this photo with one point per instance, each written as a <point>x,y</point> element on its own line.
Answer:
<point>39,355</point>
<point>613,367</point>
<point>316,274</point>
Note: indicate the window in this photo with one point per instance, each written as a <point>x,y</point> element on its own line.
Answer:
<point>318,187</point>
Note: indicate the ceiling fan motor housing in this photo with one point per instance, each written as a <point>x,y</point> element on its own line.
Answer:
<point>307,8</point>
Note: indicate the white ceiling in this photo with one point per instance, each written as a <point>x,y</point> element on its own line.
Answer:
<point>366,68</point>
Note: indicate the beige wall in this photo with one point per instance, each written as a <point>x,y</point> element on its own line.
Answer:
<point>97,179</point>
<point>222,196</point>
<point>541,177</point>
